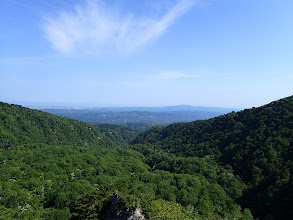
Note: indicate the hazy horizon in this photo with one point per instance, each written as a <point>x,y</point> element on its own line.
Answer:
<point>90,106</point>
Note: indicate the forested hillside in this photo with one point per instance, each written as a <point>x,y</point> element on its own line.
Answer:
<point>19,125</point>
<point>222,168</point>
<point>122,136</point>
<point>257,143</point>
<point>58,168</point>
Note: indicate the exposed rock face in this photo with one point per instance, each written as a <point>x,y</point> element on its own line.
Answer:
<point>113,214</point>
<point>136,215</point>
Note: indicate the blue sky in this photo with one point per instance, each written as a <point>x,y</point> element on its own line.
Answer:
<point>225,53</point>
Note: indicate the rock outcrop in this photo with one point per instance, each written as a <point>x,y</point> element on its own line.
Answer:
<point>113,214</point>
<point>136,215</point>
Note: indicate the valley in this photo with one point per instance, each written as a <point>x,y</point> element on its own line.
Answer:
<point>234,166</point>
<point>140,118</point>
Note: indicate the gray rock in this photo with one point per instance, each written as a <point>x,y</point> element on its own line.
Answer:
<point>113,214</point>
<point>136,215</point>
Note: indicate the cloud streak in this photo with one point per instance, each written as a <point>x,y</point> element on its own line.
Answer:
<point>94,28</point>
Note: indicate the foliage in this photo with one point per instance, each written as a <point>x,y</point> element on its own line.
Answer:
<point>129,200</point>
<point>41,179</point>
<point>120,135</point>
<point>200,167</point>
<point>58,168</point>
<point>257,143</point>
<point>20,125</point>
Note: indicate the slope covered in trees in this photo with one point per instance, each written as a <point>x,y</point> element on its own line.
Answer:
<point>122,136</point>
<point>257,143</point>
<point>58,168</point>
<point>19,125</point>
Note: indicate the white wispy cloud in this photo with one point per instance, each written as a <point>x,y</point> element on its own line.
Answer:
<point>95,28</point>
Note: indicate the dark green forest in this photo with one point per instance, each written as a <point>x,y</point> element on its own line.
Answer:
<point>256,143</point>
<point>121,135</point>
<point>235,166</point>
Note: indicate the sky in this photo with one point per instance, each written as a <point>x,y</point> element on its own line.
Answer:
<point>221,53</point>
